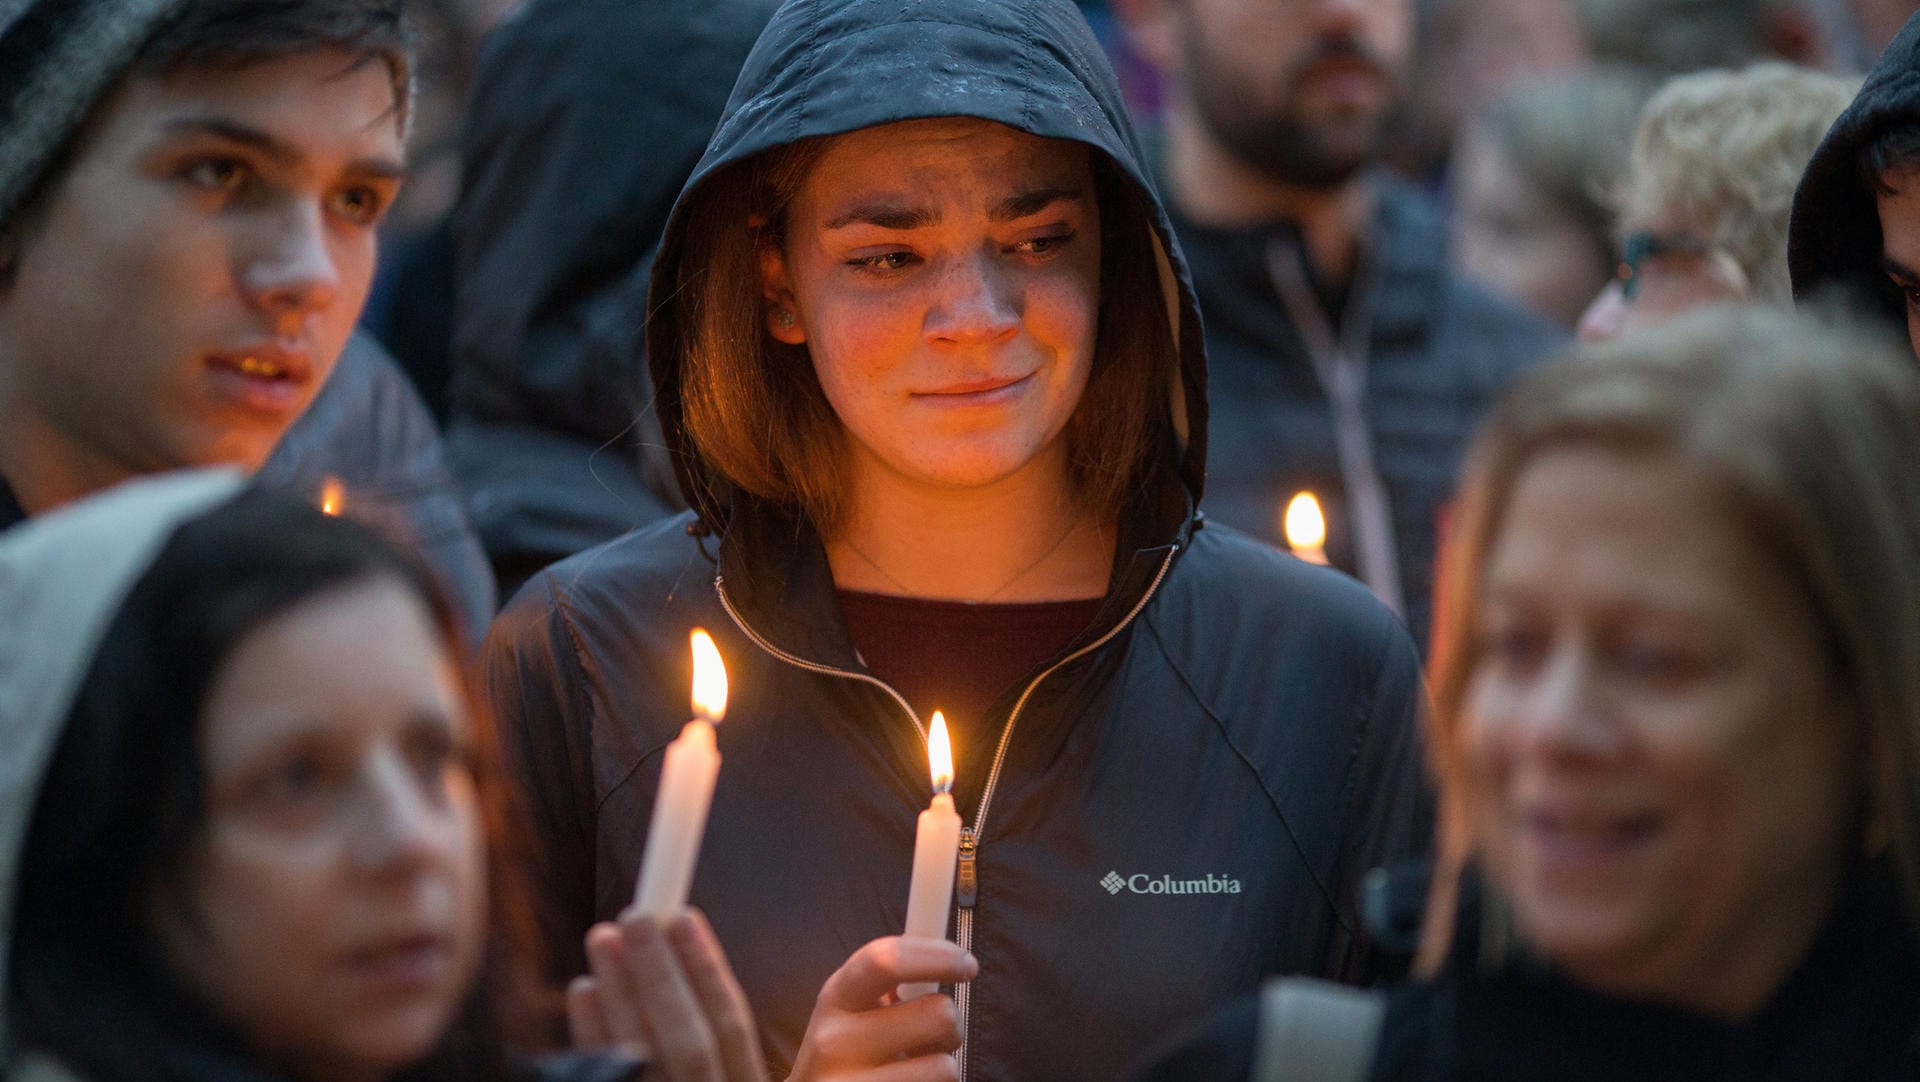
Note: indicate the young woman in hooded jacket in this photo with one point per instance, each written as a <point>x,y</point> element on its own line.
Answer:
<point>252,829</point>
<point>931,377</point>
<point>1677,730</point>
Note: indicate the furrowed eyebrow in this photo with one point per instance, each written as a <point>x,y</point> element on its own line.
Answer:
<point>279,152</point>
<point>887,215</point>
<point>1031,202</point>
<point>1898,270</point>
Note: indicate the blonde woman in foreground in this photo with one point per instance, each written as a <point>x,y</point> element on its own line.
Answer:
<point>1677,732</point>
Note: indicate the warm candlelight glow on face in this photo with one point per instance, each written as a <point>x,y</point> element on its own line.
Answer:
<point>709,678</point>
<point>1306,526</point>
<point>940,753</point>
<point>333,496</point>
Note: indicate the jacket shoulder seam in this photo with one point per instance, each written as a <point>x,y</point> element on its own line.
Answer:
<point>1293,838</point>
<point>587,699</point>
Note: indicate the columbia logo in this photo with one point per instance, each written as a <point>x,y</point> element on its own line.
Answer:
<point>1166,884</point>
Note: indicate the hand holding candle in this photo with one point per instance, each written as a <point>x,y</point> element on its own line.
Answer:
<point>936,850</point>
<point>691,766</point>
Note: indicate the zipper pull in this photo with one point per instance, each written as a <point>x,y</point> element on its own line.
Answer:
<point>967,886</point>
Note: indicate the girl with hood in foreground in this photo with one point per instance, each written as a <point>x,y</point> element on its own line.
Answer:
<point>931,376</point>
<point>250,828</point>
<point>1677,731</point>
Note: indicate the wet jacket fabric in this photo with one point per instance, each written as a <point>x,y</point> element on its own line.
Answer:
<point>1182,801</point>
<point>1833,236</point>
<point>587,117</point>
<point>1850,1009</point>
<point>1436,352</point>
<point>368,430</point>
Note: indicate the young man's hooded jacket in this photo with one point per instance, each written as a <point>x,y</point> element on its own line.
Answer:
<point>1833,239</point>
<point>1180,802</point>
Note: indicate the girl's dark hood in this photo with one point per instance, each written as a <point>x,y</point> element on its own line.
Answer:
<point>825,67</point>
<point>1833,242</point>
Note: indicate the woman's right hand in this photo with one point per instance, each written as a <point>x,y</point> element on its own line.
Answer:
<point>861,1031</point>
<point>662,991</point>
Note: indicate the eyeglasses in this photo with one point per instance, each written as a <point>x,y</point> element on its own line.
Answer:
<point>1641,245</point>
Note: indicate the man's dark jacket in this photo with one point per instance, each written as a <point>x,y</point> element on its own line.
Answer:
<point>1185,798</point>
<point>369,430</point>
<point>1439,352</point>
<point>1833,238</point>
<point>586,119</point>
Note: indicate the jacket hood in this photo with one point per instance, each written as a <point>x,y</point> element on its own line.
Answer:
<point>586,118</point>
<point>1833,240</point>
<point>63,577</point>
<point>826,67</point>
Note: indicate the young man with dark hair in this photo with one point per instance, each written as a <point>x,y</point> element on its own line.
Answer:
<point>1855,235</point>
<point>189,196</point>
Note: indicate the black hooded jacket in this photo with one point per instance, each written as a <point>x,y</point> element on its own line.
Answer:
<point>1850,1009</point>
<point>1182,801</point>
<point>1833,238</point>
<point>587,117</point>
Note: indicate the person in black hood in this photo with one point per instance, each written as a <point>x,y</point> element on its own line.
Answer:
<point>925,353</point>
<point>1854,236</point>
<point>586,118</point>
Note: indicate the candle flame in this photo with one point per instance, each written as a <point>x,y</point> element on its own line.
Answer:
<point>333,496</point>
<point>1306,526</point>
<point>709,678</point>
<point>940,753</point>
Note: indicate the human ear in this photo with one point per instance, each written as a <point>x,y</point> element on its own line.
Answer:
<point>779,310</point>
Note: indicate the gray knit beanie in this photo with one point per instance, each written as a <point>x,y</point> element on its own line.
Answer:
<point>57,60</point>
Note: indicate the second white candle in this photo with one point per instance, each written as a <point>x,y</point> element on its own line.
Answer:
<point>936,850</point>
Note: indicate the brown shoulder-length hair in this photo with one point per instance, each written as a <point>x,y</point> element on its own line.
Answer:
<point>1812,433</point>
<point>754,409</point>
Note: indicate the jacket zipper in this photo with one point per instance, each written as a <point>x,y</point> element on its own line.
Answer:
<point>969,873</point>
<point>967,876</point>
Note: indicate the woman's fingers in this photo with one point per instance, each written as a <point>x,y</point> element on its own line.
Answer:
<point>585,1022</point>
<point>720,997</point>
<point>884,964</point>
<point>934,1068</point>
<point>614,989</point>
<point>844,1040</point>
<point>684,1047</point>
<point>859,1032</point>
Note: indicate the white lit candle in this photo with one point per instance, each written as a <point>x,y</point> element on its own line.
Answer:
<point>936,849</point>
<point>1306,528</point>
<point>686,790</point>
<point>333,496</point>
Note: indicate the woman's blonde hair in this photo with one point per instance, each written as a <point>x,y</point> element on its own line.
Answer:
<point>1812,432</point>
<point>1719,154</point>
